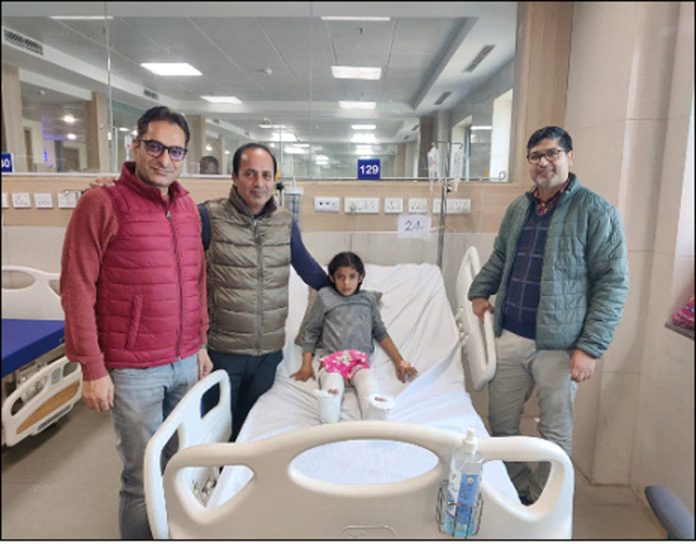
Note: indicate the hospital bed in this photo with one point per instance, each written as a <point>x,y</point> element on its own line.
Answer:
<point>39,384</point>
<point>288,476</point>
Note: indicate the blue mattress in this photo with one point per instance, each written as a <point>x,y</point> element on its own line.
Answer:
<point>23,340</point>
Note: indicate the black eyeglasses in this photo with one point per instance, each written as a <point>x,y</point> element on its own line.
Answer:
<point>550,155</point>
<point>155,149</point>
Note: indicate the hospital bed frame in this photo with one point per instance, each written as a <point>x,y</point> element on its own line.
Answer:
<point>478,339</point>
<point>43,389</point>
<point>280,502</point>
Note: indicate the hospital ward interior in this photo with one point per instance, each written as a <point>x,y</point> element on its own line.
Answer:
<point>400,133</point>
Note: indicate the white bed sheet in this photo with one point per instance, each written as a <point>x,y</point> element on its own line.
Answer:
<point>419,319</point>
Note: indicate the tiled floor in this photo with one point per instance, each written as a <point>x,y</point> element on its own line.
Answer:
<point>62,484</point>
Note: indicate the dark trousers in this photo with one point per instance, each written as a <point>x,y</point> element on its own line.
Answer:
<point>250,377</point>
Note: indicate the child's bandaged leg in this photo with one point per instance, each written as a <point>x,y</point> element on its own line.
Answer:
<point>373,404</point>
<point>330,396</point>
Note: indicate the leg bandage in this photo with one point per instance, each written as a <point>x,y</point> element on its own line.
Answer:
<point>373,404</point>
<point>330,401</point>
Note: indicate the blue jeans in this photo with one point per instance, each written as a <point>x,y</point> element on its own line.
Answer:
<point>143,398</point>
<point>250,377</point>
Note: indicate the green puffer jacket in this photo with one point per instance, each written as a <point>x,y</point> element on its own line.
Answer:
<point>584,279</point>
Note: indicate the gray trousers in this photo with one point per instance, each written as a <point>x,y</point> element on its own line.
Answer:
<point>520,366</point>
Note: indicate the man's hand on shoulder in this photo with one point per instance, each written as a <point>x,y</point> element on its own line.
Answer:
<point>101,182</point>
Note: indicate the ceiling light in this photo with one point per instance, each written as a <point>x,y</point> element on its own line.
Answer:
<point>222,99</point>
<point>363,150</point>
<point>353,105</point>
<point>352,18</point>
<point>321,158</point>
<point>69,118</point>
<point>71,136</point>
<point>356,72</point>
<point>363,127</point>
<point>294,150</point>
<point>133,132</point>
<point>364,138</point>
<point>208,147</point>
<point>123,129</point>
<point>283,137</point>
<point>227,151</point>
<point>481,127</point>
<point>171,68</point>
<point>81,17</point>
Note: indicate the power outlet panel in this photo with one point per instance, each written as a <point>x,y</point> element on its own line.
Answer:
<point>5,201</point>
<point>455,206</point>
<point>68,199</point>
<point>43,200</point>
<point>21,200</point>
<point>393,205</point>
<point>360,205</point>
<point>327,203</point>
<point>418,205</point>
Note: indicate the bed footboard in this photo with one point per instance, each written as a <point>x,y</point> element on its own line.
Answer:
<point>281,502</point>
<point>191,429</point>
<point>41,400</point>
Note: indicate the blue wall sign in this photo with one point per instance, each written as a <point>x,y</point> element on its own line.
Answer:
<point>369,169</point>
<point>7,163</point>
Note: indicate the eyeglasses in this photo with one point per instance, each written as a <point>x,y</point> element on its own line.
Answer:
<point>155,149</point>
<point>550,155</point>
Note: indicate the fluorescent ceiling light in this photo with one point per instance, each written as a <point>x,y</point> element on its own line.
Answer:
<point>363,127</point>
<point>364,138</point>
<point>208,147</point>
<point>227,151</point>
<point>301,145</point>
<point>363,150</point>
<point>133,132</point>
<point>481,127</point>
<point>356,72</point>
<point>321,158</point>
<point>222,99</point>
<point>171,68</point>
<point>69,118</point>
<point>71,136</point>
<point>123,129</point>
<point>352,18</point>
<point>82,17</point>
<point>294,150</point>
<point>283,137</point>
<point>351,105</point>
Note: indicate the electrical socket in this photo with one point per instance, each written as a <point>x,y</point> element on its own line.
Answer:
<point>327,203</point>
<point>393,205</point>
<point>418,205</point>
<point>68,199</point>
<point>43,200</point>
<point>455,206</point>
<point>21,200</point>
<point>360,205</point>
<point>5,201</point>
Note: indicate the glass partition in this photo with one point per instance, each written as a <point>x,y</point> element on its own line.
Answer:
<point>325,84</point>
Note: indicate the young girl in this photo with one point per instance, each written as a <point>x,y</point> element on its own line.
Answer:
<point>339,333</point>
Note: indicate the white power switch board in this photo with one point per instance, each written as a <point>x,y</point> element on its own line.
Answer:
<point>21,200</point>
<point>43,200</point>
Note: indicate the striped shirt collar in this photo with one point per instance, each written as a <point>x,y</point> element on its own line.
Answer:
<point>544,206</point>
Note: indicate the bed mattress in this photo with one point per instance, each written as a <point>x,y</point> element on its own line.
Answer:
<point>23,340</point>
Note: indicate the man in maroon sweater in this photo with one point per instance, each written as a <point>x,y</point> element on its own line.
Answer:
<point>133,292</point>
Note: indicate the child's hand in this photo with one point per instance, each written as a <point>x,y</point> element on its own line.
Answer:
<point>303,374</point>
<point>405,372</point>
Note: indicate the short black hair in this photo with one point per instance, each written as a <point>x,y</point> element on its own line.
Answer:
<point>349,259</point>
<point>237,158</point>
<point>162,113</point>
<point>551,133</point>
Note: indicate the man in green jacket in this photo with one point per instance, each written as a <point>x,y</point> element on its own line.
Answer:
<point>559,270</point>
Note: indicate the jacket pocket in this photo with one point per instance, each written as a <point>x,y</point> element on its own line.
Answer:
<point>134,325</point>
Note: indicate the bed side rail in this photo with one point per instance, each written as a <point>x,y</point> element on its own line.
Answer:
<point>191,429</point>
<point>36,301</point>
<point>478,339</point>
<point>405,509</point>
<point>45,397</point>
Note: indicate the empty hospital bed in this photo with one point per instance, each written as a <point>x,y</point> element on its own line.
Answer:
<point>288,476</point>
<point>39,385</point>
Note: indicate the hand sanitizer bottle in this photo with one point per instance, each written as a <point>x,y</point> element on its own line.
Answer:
<point>460,519</point>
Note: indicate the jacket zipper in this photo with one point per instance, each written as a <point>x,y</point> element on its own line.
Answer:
<point>168,215</point>
<point>259,287</point>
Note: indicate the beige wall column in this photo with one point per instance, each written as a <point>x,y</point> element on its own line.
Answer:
<point>629,110</point>
<point>96,124</point>
<point>541,74</point>
<point>12,125</point>
<point>400,161</point>
<point>196,145</point>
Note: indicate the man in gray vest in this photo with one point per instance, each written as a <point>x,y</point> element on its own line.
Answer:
<point>560,270</point>
<point>250,244</point>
